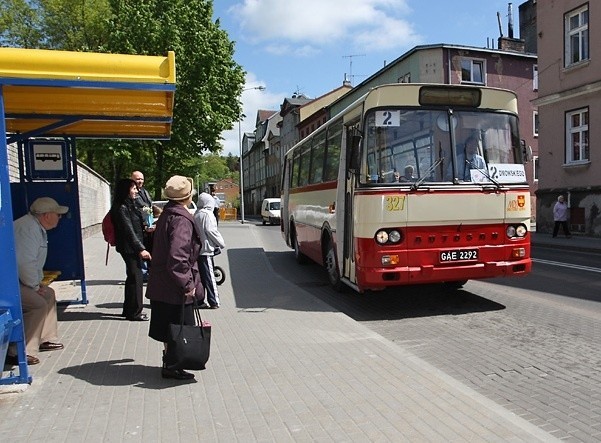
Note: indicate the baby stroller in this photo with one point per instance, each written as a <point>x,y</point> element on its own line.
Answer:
<point>218,270</point>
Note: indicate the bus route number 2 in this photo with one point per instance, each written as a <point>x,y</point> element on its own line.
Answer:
<point>394,202</point>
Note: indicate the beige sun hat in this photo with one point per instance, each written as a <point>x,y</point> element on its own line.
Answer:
<point>178,188</point>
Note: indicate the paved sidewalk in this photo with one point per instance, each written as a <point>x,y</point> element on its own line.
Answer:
<point>284,367</point>
<point>576,242</point>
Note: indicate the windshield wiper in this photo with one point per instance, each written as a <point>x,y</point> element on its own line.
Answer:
<point>426,174</point>
<point>484,172</point>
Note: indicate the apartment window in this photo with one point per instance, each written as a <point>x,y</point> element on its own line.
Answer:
<point>535,78</point>
<point>472,71</point>
<point>535,168</point>
<point>576,36</point>
<point>535,123</point>
<point>577,149</point>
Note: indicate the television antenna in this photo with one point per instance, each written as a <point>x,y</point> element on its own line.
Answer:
<point>350,57</point>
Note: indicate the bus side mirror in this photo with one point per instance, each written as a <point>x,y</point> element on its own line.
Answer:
<point>526,151</point>
<point>354,162</point>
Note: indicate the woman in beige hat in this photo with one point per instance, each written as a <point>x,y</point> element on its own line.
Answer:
<point>174,277</point>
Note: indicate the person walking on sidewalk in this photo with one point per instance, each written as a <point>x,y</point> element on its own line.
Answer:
<point>129,237</point>
<point>560,216</point>
<point>211,239</point>
<point>174,278</point>
<point>37,301</point>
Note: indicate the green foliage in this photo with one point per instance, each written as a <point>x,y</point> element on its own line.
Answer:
<point>78,25</point>
<point>206,169</point>
<point>20,24</point>
<point>233,163</point>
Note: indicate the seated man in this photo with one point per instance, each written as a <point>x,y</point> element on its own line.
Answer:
<point>37,301</point>
<point>407,176</point>
<point>467,159</point>
<point>471,159</point>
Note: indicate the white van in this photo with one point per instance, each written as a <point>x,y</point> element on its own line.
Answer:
<point>270,211</point>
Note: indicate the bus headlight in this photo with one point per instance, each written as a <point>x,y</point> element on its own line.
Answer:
<point>514,231</point>
<point>394,236</point>
<point>382,237</point>
<point>510,231</point>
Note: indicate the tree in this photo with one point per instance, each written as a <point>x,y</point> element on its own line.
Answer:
<point>233,163</point>
<point>78,25</point>
<point>209,81</point>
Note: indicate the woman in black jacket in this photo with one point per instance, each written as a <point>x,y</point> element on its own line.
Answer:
<point>129,236</point>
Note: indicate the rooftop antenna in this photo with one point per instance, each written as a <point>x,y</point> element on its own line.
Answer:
<point>297,93</point>
<point>350,57</point>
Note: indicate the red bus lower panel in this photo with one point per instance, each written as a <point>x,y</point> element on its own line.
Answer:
<point>380,278</point>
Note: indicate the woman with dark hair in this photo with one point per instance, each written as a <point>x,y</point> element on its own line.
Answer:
<point>174,280</point>
<point>129,236</point>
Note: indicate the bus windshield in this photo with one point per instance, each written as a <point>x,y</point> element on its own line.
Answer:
<point>440,145</point>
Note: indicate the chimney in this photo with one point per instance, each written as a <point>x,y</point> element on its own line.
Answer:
<point>346,81</point>
<point>510,25</point>
<point>509,43</point>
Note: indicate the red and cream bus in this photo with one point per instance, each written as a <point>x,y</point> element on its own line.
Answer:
<point>411,184</point>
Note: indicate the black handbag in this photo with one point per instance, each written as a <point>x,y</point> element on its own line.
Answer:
<point>190,345</point>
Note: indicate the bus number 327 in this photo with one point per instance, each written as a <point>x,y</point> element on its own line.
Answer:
<point>395,202</point>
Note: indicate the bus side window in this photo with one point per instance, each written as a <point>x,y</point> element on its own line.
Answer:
<point>305,164</point>
<point>317,158</point>
<point>295,169</point>
<point>332,160</point>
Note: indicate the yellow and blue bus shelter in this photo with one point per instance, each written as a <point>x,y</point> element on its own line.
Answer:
<point>48,99</point>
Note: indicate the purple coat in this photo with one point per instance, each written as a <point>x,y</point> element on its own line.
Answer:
<point>175,252</point>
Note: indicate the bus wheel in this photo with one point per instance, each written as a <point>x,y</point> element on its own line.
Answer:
<point>332,268</point>
<point>452,285</point>
<point>301,258</point>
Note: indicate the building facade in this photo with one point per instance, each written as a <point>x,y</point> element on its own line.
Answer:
<point>569,105</point>
<point>248,139</point>
<point>261,179</point>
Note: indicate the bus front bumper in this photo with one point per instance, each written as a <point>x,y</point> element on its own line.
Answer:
<point>383,277</point>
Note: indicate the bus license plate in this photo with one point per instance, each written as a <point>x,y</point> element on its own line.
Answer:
<point>459,255</point>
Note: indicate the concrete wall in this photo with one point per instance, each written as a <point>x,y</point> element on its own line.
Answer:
<point>94,199</point>
<point>564,88</point>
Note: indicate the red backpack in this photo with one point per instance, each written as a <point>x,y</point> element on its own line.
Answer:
<point>108,231</point>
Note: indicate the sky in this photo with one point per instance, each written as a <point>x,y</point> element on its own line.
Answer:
<point>311,46</point>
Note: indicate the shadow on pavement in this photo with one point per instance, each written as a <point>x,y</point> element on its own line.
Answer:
<point>104,282</point>
<point>396,303</point>
<point>77,315</point>
<point>121,373</point>
<point>255,286</point>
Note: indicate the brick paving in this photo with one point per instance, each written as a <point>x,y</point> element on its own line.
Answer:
<point>284,366</point>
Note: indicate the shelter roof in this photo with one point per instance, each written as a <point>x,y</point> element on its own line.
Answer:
<point>83,94</point>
